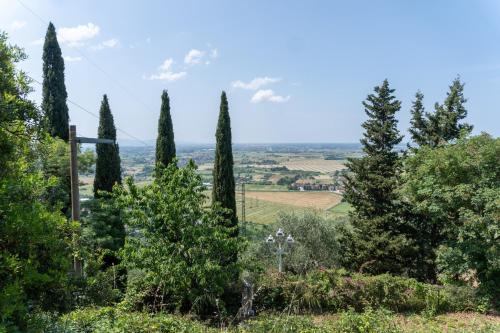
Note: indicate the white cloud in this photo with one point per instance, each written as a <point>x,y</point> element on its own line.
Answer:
<point>72,59</point>
<point>214,53</point>
<point>194,57</point>
<point>39,41</point>
<point>167,64</point>
<point>270,96</point>
<point>17,25</point>
<point>168,76</point>
<point>110,43</point>
<point>255,83</point>
<point>165,72</point>
<point>75,36</point>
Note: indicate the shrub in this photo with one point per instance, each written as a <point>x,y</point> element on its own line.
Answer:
<point>336,290</point>
<point>114,320</point>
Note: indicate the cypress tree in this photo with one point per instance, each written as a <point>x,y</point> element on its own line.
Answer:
<point>418,129</point>
<point>223,190</point>
<point>378,245</point>
<point>165,145</point>
<point>54,90</point>
<point>107,169</point>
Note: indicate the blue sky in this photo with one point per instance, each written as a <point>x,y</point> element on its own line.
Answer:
<point>294,71</point>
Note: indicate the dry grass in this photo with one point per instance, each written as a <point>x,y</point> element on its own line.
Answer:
<point>319,200</point>
<point>319,165</point>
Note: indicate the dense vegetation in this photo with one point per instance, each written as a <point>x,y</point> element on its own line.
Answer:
<point>422,237</point>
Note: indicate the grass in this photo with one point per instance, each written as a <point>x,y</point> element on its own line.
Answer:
<point>260,211</point>
<point>340,210</point>
<point>318,165</point>
<point>318,200</point>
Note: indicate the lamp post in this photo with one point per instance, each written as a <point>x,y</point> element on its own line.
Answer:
<point>281,244</point>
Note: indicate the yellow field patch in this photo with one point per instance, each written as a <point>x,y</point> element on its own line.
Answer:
<point>318,165</point>
<point>319,200</point>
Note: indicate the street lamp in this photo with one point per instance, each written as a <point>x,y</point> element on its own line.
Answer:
<point>281,244</point>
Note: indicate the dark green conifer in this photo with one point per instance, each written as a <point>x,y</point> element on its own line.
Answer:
<point>444,124</point>
<point>223,192</point>
<point>418,129</point>
<point>224,188</point>
<point>107,169</point>
<point>378,244</point>
<point>54,90</point>
<point>165,145</point>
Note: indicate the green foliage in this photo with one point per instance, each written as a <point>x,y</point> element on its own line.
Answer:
<point>379,321</point>
<point>107,169</point>
<point>372,321</point>
<point>115,320</point>
<point>55,166</point>
<point>455,189</point>
<point>379,243</point>
<point>19,116</point>
<point>419,126</point>
<point>223,191</point>
<point>165,145</point>
<point>336,290</point>
<point>317,243</point>
<point>179,245</point>
<point>443,125</point>
<point>86,161</point>
<point>34,245</point>
<point>54,89</point>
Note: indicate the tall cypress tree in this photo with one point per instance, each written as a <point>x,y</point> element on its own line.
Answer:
<point>378,244</point>
<point>165,145</point>
<point>419,125</point>
<point>223,190</point>
<point>107,169</point>
<point>54,90</point>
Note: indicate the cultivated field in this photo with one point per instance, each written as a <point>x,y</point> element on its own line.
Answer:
<point>319,200</point>
<point>318,165</point>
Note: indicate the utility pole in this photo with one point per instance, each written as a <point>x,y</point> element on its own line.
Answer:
<point>75,192</point>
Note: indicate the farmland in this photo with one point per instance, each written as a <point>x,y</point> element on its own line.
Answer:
<point>266,170</point>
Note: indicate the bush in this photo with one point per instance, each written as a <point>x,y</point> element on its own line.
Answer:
<point>114,320</point>
<point>336,290</point>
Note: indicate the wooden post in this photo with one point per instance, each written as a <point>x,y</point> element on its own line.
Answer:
<point>75,193</point>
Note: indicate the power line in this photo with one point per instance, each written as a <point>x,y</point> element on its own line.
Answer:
<point>97,117</point>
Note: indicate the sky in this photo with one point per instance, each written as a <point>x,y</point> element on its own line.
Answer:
<point>294,71</point>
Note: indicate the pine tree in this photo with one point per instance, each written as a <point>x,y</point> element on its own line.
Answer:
<point>418,123</point>
<point>165,145</point>
<point>223,190</point>
<point>54,90</point>
<point>444,124</point>
<point>378,245</point>
<point>107,169</point>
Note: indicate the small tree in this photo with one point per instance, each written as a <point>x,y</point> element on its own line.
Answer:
<point>165,145</point>
<point>180,244</point>
<point>54,89</point>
